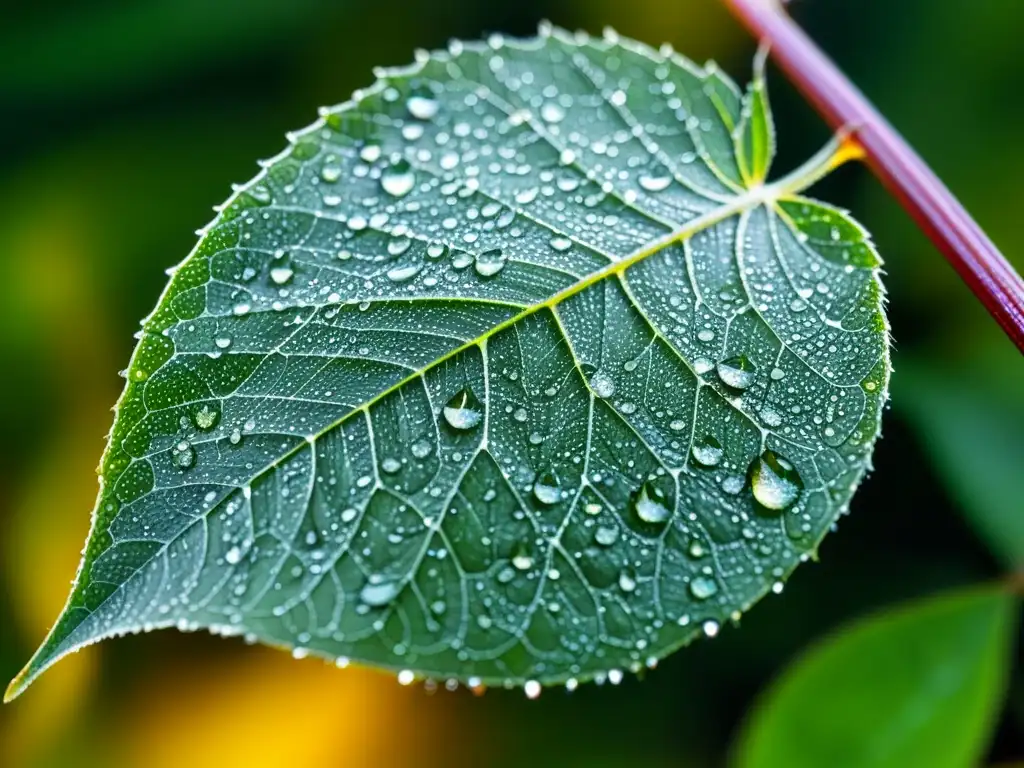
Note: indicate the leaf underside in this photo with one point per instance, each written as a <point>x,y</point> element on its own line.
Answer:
<point>504,370</point>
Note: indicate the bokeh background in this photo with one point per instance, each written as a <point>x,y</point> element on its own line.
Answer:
<point>123,122</point>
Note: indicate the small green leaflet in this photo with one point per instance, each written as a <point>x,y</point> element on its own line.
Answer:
<point>921,684</point>
<point>511,370</point>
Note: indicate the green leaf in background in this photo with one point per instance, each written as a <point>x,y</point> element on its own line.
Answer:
<point>500,372</point>
<point>918,685</point>
<point>973,427</point>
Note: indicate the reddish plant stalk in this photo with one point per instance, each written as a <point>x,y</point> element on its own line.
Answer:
<point>901,170</point>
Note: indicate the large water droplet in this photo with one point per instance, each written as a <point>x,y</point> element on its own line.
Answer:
<point>547,488</point>
<point>708,451</point>
<point>703,587</point>
<point>206,418</point>
<point>281,275</point>
<point>606,535</point>
<point>774,480</point>
<point>602,385</point>
<point>378,591</point>
<point>490,262</point>
<point>522,560</point>
<point>404,272</point>
<point>737,372</point>
<point>552,113</point>
<point>398,179</point>
<point>560,243</point>
<point>183,454</point>
<point>422,107</point>
<point>655,183</point>
<point>463,411</point>
<point>651,505</point>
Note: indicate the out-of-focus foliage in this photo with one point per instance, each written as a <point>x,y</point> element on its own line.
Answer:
<point>971,426</point>
<point>99,192</point>
<point>918,685</point>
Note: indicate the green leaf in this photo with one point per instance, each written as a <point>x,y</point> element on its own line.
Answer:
<point>498,373</point>
<point>919,685</point>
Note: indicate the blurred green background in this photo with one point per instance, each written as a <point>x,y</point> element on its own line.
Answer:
<point>124,122</point>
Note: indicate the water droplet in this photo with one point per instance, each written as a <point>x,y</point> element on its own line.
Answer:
<point>463,411</point>
<point>236,436</point>
<point>522,560</point>
<point>422,107</point>
<point>552,113</point>
<point>404,272</point>
<point>655,183</point>
<point>602,385</point>
<point>651,506</point>
<point>490,262</point>
<point>546,488</point>
<point>222,342</point>
<point>560,243</point>
<point>206,417</point>
<point>281,275</point>
<point>706,335</point>
<point>627,580</point>
<point>183,454</point>
<point>775,482</point>
<point>421,449</point>
<point>737,372</point>
<point>710,628</point>
<point>233,556</point>
<point>330,173</point>
<point>377,591</point>
<point>532,689</point>
<point>370,153</point>
<point>398,179</point>
<point>606,535</point>
<point>391,465</point>
<point>703,587</point>
<point>708,451</point>
<point>406,677</point>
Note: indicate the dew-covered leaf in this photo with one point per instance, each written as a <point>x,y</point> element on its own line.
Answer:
<point>919,685</point>
<point>509,369</point>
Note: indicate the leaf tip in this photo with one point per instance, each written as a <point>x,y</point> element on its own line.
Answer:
<point>18,685</point>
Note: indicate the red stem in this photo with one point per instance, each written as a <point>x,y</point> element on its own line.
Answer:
<point>899,167</point>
